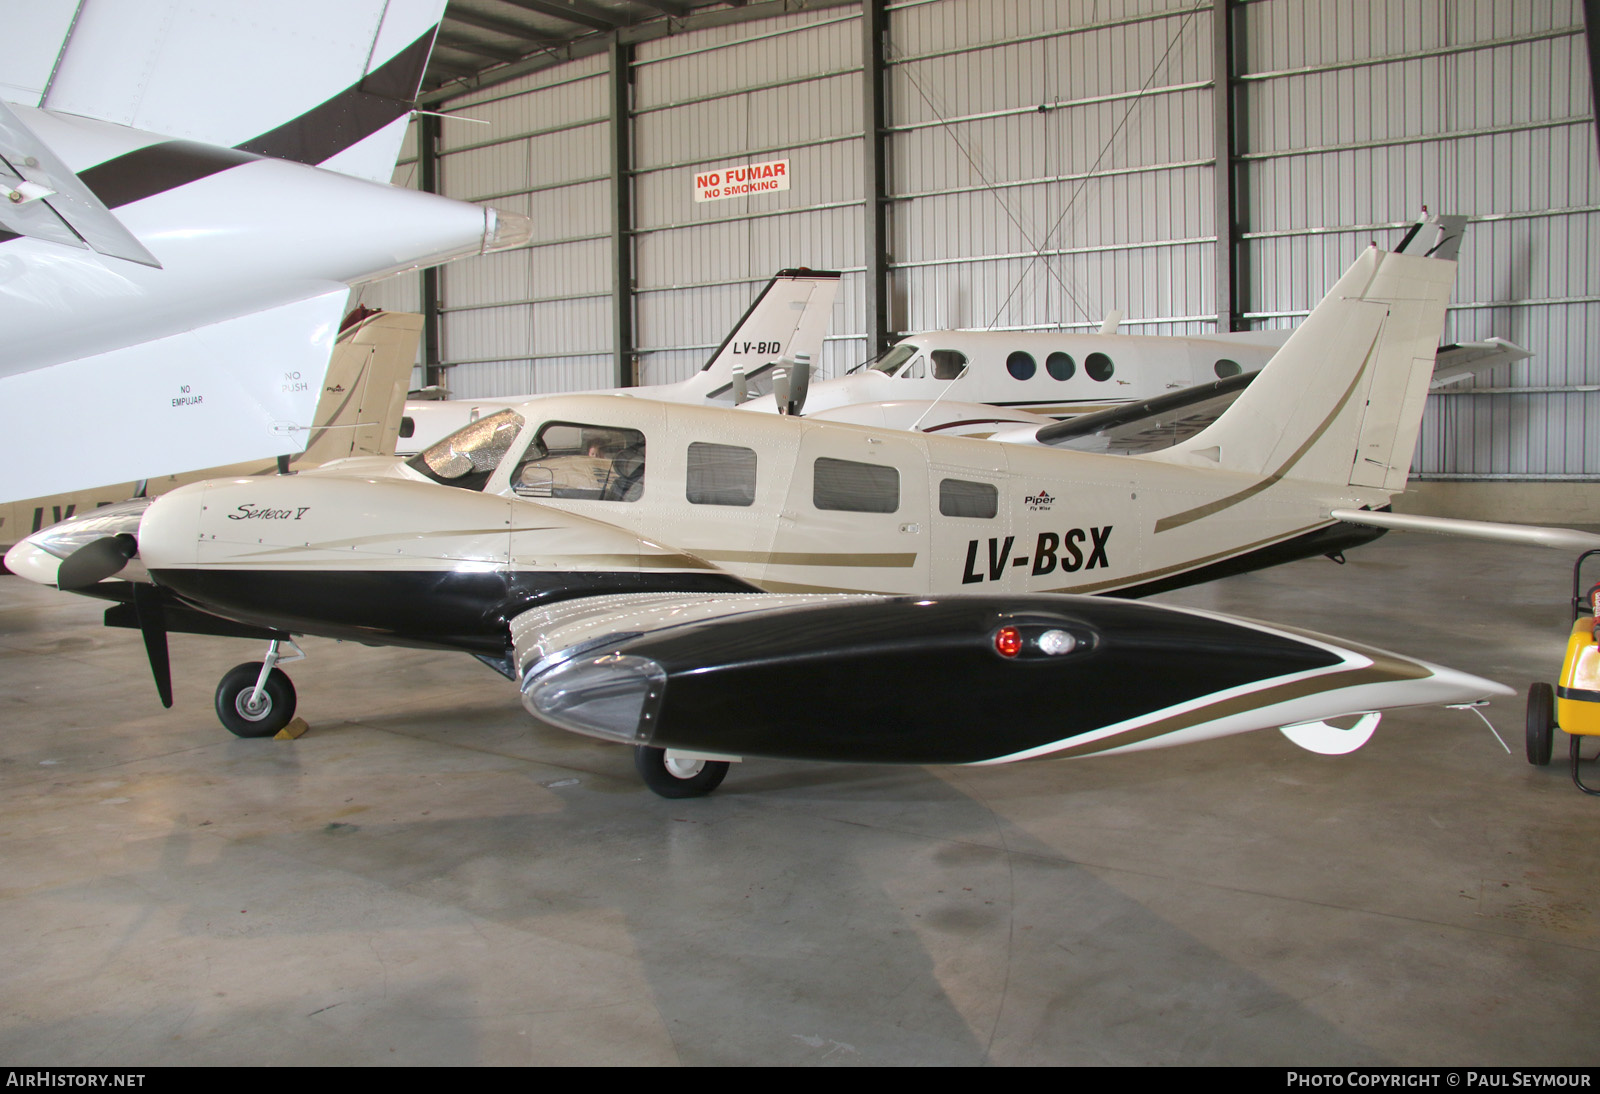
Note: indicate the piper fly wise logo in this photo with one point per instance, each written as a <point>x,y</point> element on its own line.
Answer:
<point>740,179</point>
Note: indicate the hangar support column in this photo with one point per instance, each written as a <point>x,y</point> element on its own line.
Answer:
<point>874,33</point>
<point>621,99</point>
<point>1227,23</point>
<point>428,180</point>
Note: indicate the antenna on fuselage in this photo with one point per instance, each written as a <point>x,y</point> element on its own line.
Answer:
<point>916,425</point>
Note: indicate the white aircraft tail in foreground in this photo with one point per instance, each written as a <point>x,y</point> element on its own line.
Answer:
<point>707,585</point>
<point>185,220</point>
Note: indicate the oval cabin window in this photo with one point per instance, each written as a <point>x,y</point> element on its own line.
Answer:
<point>1098,366</point>
<point>1020,365</point>
<point>1060,366</point>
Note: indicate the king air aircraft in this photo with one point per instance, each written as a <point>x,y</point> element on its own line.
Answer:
<point>707,585</point>
<point>1122,393</point>
<point>184,218</point>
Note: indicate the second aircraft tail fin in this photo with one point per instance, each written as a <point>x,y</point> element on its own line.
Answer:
<point>788,319</point>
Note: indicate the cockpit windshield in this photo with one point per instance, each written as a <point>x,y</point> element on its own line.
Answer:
<point>467,457</point>
<point>889,361</point>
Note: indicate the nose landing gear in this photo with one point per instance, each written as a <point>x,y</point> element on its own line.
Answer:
<point>256,699</point>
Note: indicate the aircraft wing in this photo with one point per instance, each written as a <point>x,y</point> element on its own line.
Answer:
<point>965,680</point>
<point>1148,425</point>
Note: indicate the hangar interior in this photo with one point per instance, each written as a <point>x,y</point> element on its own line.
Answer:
<point>427,877</point>
<point>1035,165</point>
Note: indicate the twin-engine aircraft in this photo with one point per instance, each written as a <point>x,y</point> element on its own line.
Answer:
<point>708,585</point>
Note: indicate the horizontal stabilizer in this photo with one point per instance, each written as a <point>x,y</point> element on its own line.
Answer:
<point>1528,535</point>
<point>1458,361</point>
<point>242,389</point>
<point>47,199</point>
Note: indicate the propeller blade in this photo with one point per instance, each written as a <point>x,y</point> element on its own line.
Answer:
<point>95,561</point>
<point>153,628</point>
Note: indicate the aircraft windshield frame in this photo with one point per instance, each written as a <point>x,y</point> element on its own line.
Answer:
<point>889,361</point>
<point>469,456</point>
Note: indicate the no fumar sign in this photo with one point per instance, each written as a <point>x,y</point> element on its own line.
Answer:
<point>745,179</point>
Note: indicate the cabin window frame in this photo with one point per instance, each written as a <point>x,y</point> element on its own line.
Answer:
<point>853,486</point>
<point>738,491</point>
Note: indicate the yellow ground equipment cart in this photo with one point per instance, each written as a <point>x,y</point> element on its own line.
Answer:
<point>1573,704</point>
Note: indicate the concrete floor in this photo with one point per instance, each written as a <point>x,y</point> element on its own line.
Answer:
<point>428,877</point>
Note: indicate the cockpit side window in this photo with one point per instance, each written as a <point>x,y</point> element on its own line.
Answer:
<point>890,360</point>
<point>582,460</point>
<point>467,457</point>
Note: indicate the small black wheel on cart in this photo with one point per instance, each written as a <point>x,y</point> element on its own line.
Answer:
<point>676,776</point>
<point>1541,723</point>
<point>247,715</point>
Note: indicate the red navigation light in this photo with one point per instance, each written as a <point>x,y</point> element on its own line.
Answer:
<point>1008,641</point>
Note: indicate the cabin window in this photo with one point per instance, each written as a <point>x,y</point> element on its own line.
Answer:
<point>467,457</point>
<point>948,364</point>
<point>1225,368</point>
<point>582,460</point>
<point>854,487</point>
<point>721,474</point>
<point>408,426</point>
<point>959,498</point>
<point>1098,366</point>
<point>1060,366</point>
<point>1021,365</point>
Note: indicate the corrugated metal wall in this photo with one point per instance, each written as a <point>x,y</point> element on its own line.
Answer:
<point>1358,114</point>
<point>786,88</point>
<point>1051,162</point>
<point>1048,162</point>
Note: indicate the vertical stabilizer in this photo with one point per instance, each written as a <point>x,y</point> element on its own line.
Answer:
<point>364,393</point>
<point>1341,402</point>
<point>788,319</point>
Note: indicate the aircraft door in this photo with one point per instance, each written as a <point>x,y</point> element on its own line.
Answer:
<point>855,517</point>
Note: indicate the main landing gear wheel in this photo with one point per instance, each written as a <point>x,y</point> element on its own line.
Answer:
<point>677,777</point>
<point>1541,723</point>
<point>267,713</point>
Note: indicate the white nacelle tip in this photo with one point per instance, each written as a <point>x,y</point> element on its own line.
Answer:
<point>1330,740</point>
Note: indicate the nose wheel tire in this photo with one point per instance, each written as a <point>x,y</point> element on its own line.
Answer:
<point>677,776</point>
<point>1541,723</point>
<point>268,713</point>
